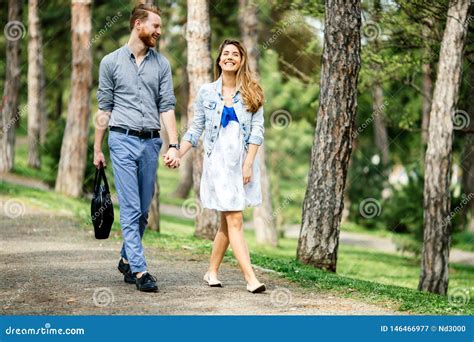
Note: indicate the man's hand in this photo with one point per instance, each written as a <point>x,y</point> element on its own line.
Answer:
<point>99,159</point>
<point>171,158</point>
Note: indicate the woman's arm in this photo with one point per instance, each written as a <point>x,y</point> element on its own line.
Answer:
<point>248,163</point>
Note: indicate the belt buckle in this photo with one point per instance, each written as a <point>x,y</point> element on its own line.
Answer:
<point>141,134</point>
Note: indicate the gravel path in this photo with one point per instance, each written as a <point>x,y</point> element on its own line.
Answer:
<point>50,266</point>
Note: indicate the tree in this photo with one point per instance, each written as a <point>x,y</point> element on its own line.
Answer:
<point>14,31</point>
<point>332,145</point>
<point>198,34</point>
<point>467,158</point>
<point>380,130</point>
<point>263,220</point>
<point>435,255</point>
<point>74,146</point>
<point>36,112</point>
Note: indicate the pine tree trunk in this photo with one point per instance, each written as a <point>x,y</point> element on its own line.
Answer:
<point>467,158</point>
<point>435,256</point>
<point>13,32</point>
<point>36,112</point>
<point>263,220</point>
<point>380,130</point>
<point>324,198</point>
<point>186,167</point>
<point>198,34</point>
<point>427,88</point>
<point>74,146</point>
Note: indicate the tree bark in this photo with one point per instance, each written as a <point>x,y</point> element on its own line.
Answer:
<point>263,219</point>
<point>324,198</point>
<point>74,146</point>
<point>437,225</point>
<point>36,112</point>
<point>427,88</point>
<point>467,158</point>
<point>198,35</point>
<point>14,31</point>
<point>186,168</point>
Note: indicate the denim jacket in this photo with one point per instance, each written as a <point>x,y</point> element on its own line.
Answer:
<point>208,112</point>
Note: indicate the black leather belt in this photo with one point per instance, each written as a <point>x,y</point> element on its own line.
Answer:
<point>141,134</point>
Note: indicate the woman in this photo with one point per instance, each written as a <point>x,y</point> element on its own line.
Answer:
<point>230,111</point>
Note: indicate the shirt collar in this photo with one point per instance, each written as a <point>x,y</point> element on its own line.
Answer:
<point>130,53</point>
<point>218,84</point>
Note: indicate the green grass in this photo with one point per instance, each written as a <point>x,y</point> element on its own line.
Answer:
<point>374,277</point>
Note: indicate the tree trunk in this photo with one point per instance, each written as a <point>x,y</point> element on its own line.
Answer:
<point>427,89</point>
<point>14,31</point>
<point>437,225</point>
<point>467,159</point>
<point>198,34</point>
<point>36,112</point>
<point>380,130</point>
<point>263,219</point>
<point>324,198</point>
<point>74,146</point>
<point>186,168</point>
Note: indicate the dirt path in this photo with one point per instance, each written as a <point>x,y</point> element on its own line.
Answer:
<point>49,266</point>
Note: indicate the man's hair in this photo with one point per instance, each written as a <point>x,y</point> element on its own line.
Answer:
<point>141,12</point>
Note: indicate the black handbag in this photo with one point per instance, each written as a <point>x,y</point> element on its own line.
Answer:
<point>102,209</point>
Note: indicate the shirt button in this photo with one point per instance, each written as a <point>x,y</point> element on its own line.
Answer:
<point>215,126</point>
<point>212,140</point>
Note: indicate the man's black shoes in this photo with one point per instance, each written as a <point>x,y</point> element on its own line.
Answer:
<point>123,267</point>
<point>147,283</point>
<point>128,277</point>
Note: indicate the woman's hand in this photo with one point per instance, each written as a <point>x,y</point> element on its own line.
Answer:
<point>247,172</point>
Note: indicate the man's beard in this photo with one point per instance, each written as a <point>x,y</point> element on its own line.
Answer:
<point>147,39</point>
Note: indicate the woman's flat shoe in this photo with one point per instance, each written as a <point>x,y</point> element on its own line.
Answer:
<point>215,283</point>
<point>257,288</point>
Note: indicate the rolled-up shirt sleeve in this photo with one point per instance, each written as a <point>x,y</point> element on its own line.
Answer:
<point>167,100</point>
<point>105,90</point>
<point>257,128</point>
<point>197,125</point>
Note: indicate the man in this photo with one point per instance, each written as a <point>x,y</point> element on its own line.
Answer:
<point>135,90</point>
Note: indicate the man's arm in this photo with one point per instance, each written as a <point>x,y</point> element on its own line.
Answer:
<point>101,124</point>
<point>105,98</point>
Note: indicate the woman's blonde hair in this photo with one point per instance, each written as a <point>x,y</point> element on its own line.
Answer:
<point>250,89</point>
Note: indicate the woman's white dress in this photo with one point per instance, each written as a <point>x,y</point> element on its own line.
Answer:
<point>222,186</point>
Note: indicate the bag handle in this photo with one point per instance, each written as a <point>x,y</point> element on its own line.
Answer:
<point>99,176</point>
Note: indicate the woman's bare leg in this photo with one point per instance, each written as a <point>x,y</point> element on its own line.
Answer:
<point>219,247</point>
<point>239,245</point>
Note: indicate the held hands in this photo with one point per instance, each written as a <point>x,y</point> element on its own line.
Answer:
<point>172,158</point>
